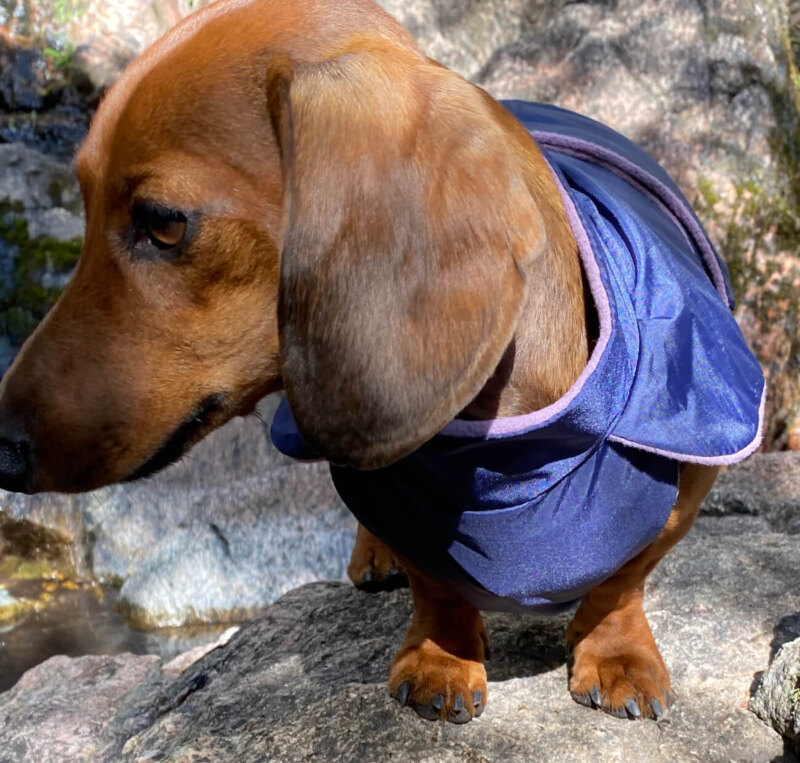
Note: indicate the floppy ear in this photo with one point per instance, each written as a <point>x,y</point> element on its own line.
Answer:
<point>409,231</point>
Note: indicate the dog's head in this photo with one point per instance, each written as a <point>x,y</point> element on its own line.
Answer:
<point>278,194</point>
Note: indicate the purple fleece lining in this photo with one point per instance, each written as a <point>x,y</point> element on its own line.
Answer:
<point>617,163</point>
<point>512,424</point>
<point>650,185</point>
<point>733,458</point>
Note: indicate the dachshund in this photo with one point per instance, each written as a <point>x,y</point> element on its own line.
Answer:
<point>291,196</point>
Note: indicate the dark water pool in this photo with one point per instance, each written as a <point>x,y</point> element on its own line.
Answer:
<point>82,621</point>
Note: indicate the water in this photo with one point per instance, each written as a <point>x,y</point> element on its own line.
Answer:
<point>81,620</point>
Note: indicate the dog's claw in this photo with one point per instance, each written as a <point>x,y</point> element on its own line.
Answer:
<point>459,713</point>
<point>594,693</point>
<point>395,579</point>
<point>658,710</point>
<point>633,708</point>
<point>477,702</point>
<point>583,699</point>
<point>617,712</point>
<point>403,693</point>
<point>438,702</point>
<point>428,712</point>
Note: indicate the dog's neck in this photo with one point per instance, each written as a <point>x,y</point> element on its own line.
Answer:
<point>557,326</point>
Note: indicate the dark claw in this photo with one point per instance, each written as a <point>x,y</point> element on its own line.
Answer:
<point>368,583</point>
<point>438,702</point>
<point>617,712</point>
<point>459,713</point>
<point>395,579</point>
<point>658,710</point>
<point>426,711</point>
<point>403,693</point>
<point>633,708</point>
<point>583,699</point>
<point>594,693</point>
<point>477,702</point>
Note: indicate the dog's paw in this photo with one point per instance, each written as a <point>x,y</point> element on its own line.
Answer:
<point>438,685</point>
<point>623,679</point>
<point>373,566</point>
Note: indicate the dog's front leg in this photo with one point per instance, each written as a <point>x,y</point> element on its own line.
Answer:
<point>617,666</point>
<point>439,669</point>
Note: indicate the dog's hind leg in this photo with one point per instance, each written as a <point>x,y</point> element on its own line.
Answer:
<point>373,565</point>
<point>439,669</point>
<point>616,663</point>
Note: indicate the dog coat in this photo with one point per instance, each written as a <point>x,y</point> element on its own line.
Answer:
<point>529,513</point>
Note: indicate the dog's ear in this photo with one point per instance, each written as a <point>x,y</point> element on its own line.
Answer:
<point>409,231</point>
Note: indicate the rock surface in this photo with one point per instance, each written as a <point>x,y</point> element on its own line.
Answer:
<point>777,698</point>
<point>766,486</point>
<point>215,538</point>
<point>307,679</point>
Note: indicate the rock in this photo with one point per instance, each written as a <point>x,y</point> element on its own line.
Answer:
<point>22,83</point>
<point>767,486</point>
<point>777,698</point>
<point>307,679</point>
<point>66,709</point>
<point>33,185</point>
<point>41,225</point>
<point>215,538</point>
<point>206,574</point>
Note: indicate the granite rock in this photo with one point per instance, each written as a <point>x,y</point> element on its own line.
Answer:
<point>307,679</point>
<point>765,486</point>
<point>214,538</point>
<point>777,698</point>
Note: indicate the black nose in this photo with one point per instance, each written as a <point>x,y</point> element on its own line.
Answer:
<point>14,465</point>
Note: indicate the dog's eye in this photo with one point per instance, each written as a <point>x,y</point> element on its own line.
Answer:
<point>160,226</point>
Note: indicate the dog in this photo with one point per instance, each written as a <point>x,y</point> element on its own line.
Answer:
<point>292,196</point>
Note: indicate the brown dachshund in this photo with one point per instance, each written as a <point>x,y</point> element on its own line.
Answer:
<point>290,195</point>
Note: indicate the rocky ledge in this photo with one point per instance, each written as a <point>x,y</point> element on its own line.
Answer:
<point>307,679</point>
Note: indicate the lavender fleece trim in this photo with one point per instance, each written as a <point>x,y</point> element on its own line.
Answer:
<point>619,164</point>
<point>656,191</point>
<point>733,458</point>
<point>512,424</point>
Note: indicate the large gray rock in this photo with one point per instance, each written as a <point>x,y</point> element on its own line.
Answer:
<point>41,190</point>
<point>214,538</point>
<point>777,698</point>
<point>57,719</point>
<point>41,224</point>
<point>766,486</point>
<point>307,680</point>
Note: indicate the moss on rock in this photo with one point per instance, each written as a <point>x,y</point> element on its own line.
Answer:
<point>26,297</point>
